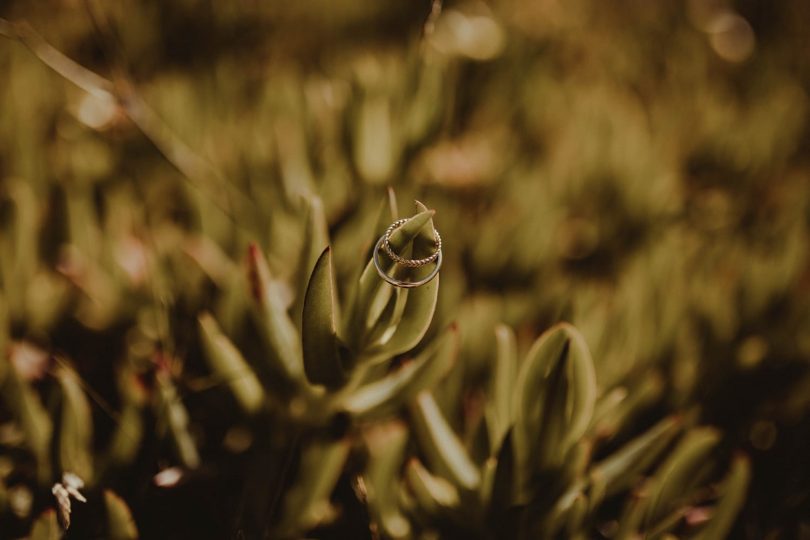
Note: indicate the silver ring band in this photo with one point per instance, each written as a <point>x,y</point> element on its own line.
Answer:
<point>400,283</point>
<point>410,263</point>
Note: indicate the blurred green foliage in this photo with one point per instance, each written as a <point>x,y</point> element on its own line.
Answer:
<point>189,320</point>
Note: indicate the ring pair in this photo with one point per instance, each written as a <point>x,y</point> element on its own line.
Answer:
<point>384,244</point>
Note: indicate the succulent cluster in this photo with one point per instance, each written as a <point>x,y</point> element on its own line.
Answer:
<point>192,327</point>
<point>534,460</point>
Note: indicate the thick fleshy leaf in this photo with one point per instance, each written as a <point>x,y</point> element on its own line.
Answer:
<point>36,424</point>
<point>316,240</point>
<point>499,407</point>
<point>271,313</point>
<point>418,306</point>
<point>442,447</point>
<point>46,527</point>
<point>173,416</point>
<point>554,402</point>
<point>4,338</point>
<point>386,447</point>
<point>230,366</point>
<point>386,395</point>
<point>76,427</point>
<point>732,497</point>
<point>617,408</point>
<point>306,503</point>
<point>120,523</point>
<point>622,469</point>
<point>633,514</point>
<point>677,477</point>
<point>370,282</point>
<point>128,434</point>
<point>416,318</point>
<point>433,493</point>
<point>321,346</point>
<point>3,496</point>
<point>385,319</point>
<point>503,484</point>
<point>375,147</point>
<point>576,515</point>
<point>388,213</point>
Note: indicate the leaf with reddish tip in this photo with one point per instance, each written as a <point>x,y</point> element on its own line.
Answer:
<point>271,316</point>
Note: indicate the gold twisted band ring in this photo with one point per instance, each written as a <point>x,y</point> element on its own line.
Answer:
<point>410,263</point>
<point>383,245</point>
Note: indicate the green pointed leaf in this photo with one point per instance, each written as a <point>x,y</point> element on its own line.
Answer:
<point>36,424</point>
<point>120,523</point>
<point>676,478</point>
<point>370,282</point>
<point>633,514</point>
<point>420,304</point>
<point>229,365</point>
<point>503,484</point>
<point>441,445</point>
<point>321,347</point>
<point>76,428</point>
<point>416,318</point>
<point>576,515</point>
<point>316,240</point>
<point>554,402</point>
<point>386,446</point>
<point>46,527</point>
<point>277,329</point>
<point>732,497</point>
<point>386,395</point>
<point>388,213</point>
<point>597,491</point>
<point>173,416</point>
<point>433,493</point>
<point>3,496</point>
<point>618,407</point>
<point>375,147</point>
<point>306,503</point>
<point>385,320</point>
<point>128,435</point>
<point>499,407</point>
<point>4,338</point>
<point>622,469</point>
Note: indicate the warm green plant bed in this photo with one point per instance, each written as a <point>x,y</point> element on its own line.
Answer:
<point>616,345</point>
